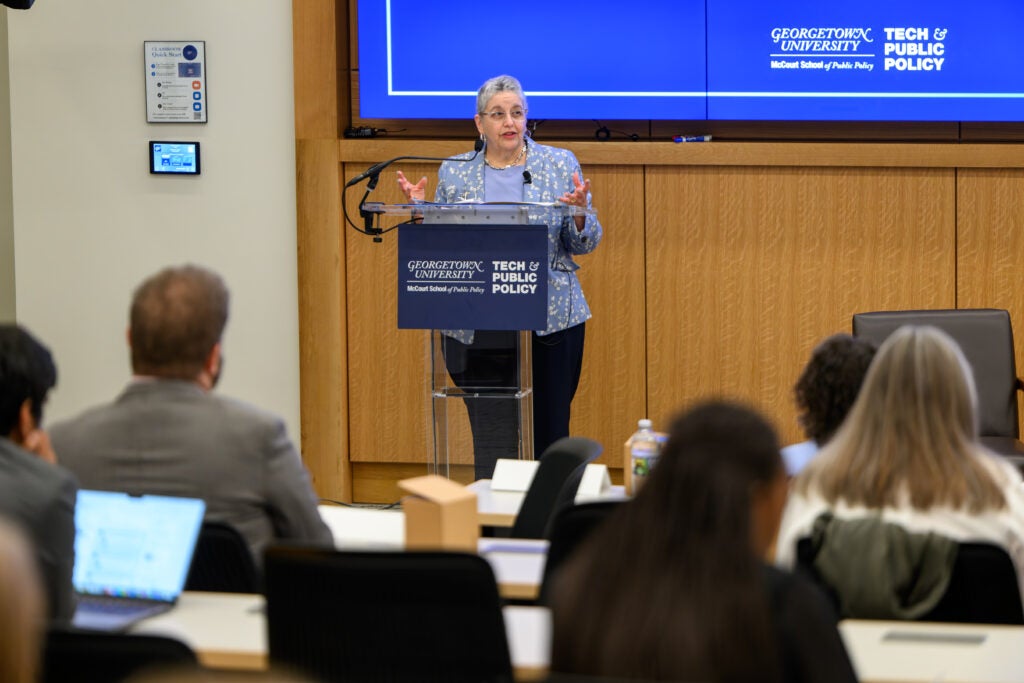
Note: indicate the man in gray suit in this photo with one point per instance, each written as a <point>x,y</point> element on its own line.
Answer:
<point>35,492</point>
<point>168,433</point>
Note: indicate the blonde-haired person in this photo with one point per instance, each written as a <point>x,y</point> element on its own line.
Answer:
<point>908,455</point>
<point>22,608</point>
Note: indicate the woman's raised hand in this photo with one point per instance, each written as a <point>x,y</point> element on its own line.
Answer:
<point>417,192</point>
<point>578,196</point>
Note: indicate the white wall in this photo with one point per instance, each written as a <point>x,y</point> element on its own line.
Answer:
<point>6,215</point>
<point>90,222</point>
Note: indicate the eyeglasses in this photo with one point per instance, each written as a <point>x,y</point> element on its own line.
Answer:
<point>499,115</point>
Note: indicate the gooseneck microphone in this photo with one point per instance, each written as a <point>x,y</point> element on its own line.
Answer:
<point>527,178</point>
<point>373,173</point>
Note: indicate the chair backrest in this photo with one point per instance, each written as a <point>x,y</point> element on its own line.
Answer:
<point>385,616</point>
<point>72,656</point>
<point>982,590</point>
<point>222,562</point>
<point>986,338</point>
<point>983,587</point>
<point>570,526</point>
<point>562,462</point>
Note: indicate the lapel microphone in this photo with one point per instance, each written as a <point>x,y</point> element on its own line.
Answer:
<point>527,178</point>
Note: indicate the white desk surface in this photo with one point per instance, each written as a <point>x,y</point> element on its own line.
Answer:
<point>496,508</point>
<point>364,528</point>
<point>528,630</point>
<point>499,508</point>
<point>228,631</point>
<point>934,653</point>
<point>518,563</point>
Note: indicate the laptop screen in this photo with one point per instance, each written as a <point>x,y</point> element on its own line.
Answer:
<point>134,546</point>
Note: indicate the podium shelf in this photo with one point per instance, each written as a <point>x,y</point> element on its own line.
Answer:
<point>457,392</point>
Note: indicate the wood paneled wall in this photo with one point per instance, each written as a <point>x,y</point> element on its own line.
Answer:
<point>321,75</point>
<point>720,269</point>
<point>722,265</point>
<point>755,265</point>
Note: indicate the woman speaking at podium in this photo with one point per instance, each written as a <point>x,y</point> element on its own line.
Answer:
<point>514,168</point>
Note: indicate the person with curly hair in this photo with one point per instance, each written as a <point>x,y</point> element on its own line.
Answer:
<point>825,391</point>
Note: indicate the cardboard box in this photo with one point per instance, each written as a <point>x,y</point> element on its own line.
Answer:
<point>439,515</point>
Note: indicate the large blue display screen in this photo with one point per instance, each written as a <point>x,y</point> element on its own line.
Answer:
<point>596,61</point>
<point>891,60</point>
<point>888,60</point>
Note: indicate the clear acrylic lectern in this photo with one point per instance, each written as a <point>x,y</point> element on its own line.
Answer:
<point>475,275</point>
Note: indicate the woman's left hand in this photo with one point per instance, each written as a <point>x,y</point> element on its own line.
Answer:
<point>578,197</point>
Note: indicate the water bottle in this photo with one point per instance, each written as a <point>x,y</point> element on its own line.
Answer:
<point>644,447</point>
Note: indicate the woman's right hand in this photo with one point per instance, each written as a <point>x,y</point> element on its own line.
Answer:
<point>413,193</point>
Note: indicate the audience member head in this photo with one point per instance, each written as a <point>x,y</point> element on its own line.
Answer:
<point>177,319</point>
<point>27,374</point>
<point>829,383</point>
<point>720,467</point>
<point>912,430</point>
<point>22,608</point>
<point>678,569</point>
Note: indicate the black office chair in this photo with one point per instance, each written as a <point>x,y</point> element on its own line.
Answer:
<point>74,656</point>
<point>570,527</point>
<point>985,336</point>
<point>222,562</point>
<point>983,586</point>
<point>982,590</point>
<point>554,677</point>
<point>554,484</point>
<point>385,616</point>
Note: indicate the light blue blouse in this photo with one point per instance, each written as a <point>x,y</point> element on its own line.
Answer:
<point>550,170</point>
<point>503,185</point>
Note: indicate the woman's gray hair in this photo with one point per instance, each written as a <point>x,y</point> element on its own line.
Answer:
<point>495,85</point>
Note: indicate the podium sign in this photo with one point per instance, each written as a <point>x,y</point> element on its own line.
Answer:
<point>472,277</point>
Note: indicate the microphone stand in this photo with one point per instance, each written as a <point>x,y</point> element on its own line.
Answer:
<point>373,174</point>
<point>368,215</point>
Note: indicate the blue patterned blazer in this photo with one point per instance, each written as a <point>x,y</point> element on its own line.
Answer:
<point>551,172</point>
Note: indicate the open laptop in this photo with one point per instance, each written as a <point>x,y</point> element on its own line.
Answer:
<point>132,555</point>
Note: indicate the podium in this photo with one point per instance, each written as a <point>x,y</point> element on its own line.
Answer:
<point>476,276</point>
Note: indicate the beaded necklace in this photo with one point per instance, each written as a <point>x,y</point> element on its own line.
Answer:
<point>514,161</point>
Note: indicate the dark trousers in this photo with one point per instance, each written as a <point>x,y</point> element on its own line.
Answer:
<point>489,365</point>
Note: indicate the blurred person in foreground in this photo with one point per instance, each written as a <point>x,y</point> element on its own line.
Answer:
<point>673,585</point>
<point>35,492</point>
<point>22,608</point>
<point>169,433</point>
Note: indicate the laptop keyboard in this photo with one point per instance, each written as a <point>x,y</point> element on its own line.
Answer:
<point>112,605</point>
